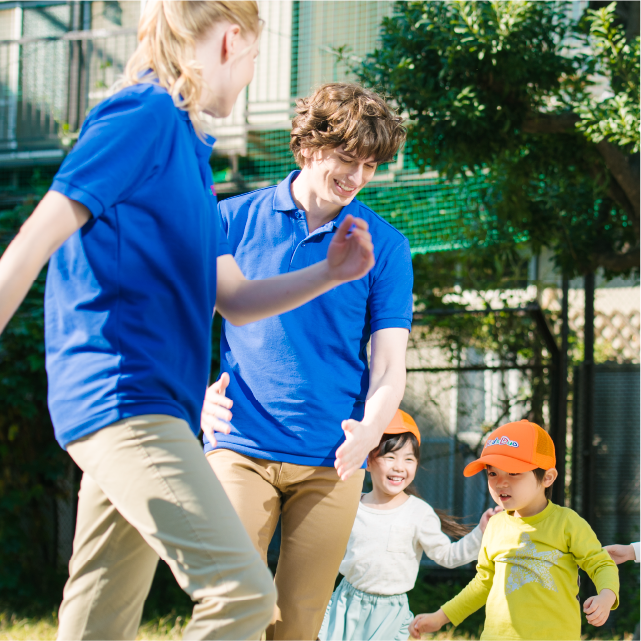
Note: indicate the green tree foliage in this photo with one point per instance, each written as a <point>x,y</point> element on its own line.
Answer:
<point>515,88</point>
<point>32,464</point>
<point>34,471</point>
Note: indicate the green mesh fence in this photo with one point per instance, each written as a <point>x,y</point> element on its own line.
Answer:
<point>299,51</point>
<point>435,214</point>
<point>58,60</point>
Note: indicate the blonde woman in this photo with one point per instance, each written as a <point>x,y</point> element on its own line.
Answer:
<point>137,264</point>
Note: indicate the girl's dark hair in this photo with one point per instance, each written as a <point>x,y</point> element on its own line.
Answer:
<point>451,525</point>
<point>392,442</point>
<point>539,473</point>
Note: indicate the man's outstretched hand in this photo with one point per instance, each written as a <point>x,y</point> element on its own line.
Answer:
<point>215,415</point>
<point>351,455</point>
<point>351,253</point>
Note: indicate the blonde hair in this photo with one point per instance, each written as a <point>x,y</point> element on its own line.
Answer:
<point>167,34</point>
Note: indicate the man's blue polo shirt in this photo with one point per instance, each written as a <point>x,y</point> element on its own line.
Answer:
<point>296,376</point>
<point>130,296</point>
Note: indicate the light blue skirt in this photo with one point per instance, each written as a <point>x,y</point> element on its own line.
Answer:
<point>353,615</point>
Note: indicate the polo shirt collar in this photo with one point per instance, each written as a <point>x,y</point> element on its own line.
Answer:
<point>283,201</point>
<point>207,142</point>
<point>204,144</point>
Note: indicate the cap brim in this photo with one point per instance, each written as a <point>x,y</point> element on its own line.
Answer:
<point>398,429</point>
<point>505,463</point>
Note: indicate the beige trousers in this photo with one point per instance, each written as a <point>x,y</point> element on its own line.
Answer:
<point>148,492</point>
<point>318,512</point>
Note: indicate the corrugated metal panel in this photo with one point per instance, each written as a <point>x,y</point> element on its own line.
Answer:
<point>615,462</point>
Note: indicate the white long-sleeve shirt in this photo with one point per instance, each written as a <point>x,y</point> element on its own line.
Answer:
<point>386,546</point>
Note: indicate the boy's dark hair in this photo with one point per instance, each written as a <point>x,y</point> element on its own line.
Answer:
<point>341,113</point>
<point>451,525</point>
<point>539,473</point>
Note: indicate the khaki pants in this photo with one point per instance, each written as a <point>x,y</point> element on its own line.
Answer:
<point>318,512</point>
<point>147,492</point>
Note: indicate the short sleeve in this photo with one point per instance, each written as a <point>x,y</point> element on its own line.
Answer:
<point>222,244</point>
<point>390,299</point>
<point>118,148</point>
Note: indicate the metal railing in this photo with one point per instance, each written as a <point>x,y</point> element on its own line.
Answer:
<point>48,84</point>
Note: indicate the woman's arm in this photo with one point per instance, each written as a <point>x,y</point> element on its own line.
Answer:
<point>240,301</point>
<point>53,221</point>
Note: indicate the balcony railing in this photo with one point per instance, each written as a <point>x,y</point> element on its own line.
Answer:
<point>48,84</point>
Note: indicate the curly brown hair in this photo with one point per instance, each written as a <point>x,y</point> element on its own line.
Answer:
<point>341,113</point>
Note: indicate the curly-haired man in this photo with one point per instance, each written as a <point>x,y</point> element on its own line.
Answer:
<point>307,406</point>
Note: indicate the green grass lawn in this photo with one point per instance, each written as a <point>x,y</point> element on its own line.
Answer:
<point>16,628</point>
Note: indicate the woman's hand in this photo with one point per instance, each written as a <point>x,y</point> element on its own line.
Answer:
<point>432,622</point>
<point>215,415</point>
<point>621,553</point>
<point>350,255</point>
<point>487,515</point>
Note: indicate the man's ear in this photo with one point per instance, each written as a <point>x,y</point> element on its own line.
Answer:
<point>307,153</point>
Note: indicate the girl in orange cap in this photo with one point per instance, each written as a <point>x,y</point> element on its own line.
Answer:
<point>392,530</point>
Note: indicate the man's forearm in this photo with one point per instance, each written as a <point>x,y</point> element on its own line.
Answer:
<point>383,399</point>
<point>386,379</point>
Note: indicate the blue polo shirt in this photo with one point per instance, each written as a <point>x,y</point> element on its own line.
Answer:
<point>296,376</point>
<point>129,297</point>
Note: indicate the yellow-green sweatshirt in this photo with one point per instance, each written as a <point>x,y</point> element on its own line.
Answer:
<point>527,573</point>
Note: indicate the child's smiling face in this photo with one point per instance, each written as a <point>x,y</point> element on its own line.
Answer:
<point>394,471</point>
<point>519,492</point>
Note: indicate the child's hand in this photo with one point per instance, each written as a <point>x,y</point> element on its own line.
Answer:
<point>597,608</point>
<point>432,622</point>
<point>487,515</point>
<point>620,553</point>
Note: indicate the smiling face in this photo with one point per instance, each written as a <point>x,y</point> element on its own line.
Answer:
<point>394,471</point>
<point>519,492</point>
<point>336,176</point>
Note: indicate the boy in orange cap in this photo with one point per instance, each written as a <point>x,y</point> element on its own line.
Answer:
<point>527,567</point>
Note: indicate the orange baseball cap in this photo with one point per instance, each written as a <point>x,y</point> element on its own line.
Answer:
<point>516,447</point>
<point>402,422</point>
